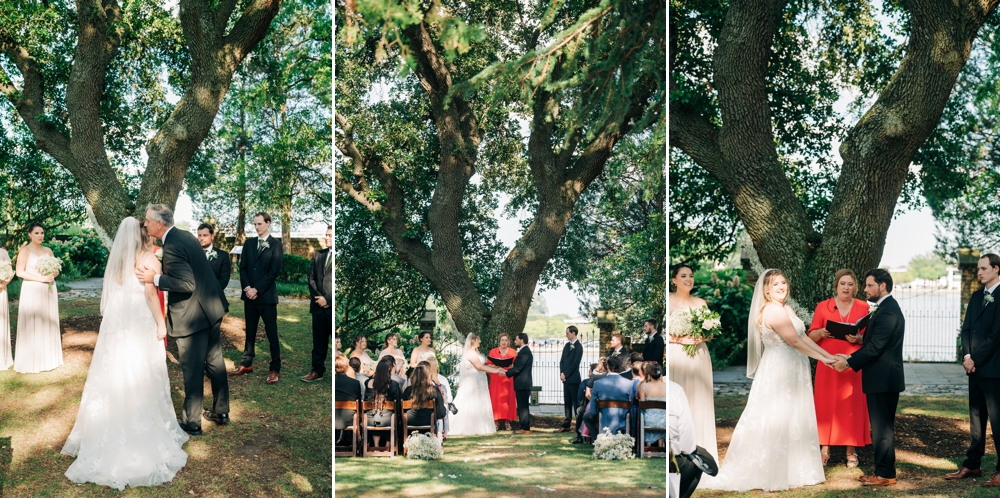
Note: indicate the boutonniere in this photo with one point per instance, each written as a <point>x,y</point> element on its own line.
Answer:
<point>872,308</point>
<point>212,255</point>
<point>159,255</point>
<point>571,346</point>
<point>987,298</point>
<point>264,244</point>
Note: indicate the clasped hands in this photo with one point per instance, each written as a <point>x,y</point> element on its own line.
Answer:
<point>969,365</point>
<point>839,362</point>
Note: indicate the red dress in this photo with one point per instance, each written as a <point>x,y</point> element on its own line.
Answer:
<point>159,293</point>
<point>841,406</point>
<point>502,389</point>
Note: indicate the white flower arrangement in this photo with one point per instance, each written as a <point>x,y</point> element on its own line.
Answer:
<point>680,323</point>
<point>48,266</point>
<point>6,272</point>
<point>159,255</point>
<point>423,446</point>
<point>610,446</point>
<point>213,255</point>
<point>872,308</point>
<point>263,244</point>
<point>425,356</point>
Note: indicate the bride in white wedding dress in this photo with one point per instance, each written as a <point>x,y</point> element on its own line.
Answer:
<point>475,410</point>
<point>775,445</point>
<point>126,432</point>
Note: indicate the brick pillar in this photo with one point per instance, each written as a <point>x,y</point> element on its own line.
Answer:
<point>968,262</point>
<point>606,326</point>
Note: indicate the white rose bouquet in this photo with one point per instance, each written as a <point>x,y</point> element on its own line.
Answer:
<point>610,446</point>
<point>705,323</point>
<point>423,446</point>
<point>48,266</point>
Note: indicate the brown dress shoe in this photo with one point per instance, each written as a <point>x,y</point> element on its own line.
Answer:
<point>963,473</point>
<point>565,429</point>
<point>240,370</point>
<point>522,431</point>
<point>865,478</point>
<point>994,481</point>
<point>272,378</point>
<point>311,376</point>
<point>879,481</point>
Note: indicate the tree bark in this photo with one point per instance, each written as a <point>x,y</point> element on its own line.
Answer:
<point>215,56</point>
<point>876,153</point>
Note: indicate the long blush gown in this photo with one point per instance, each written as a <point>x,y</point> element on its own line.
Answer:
<point>39,343</point>
<point>841,406</point>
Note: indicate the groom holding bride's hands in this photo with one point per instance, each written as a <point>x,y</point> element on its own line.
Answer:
<point>880,361</point>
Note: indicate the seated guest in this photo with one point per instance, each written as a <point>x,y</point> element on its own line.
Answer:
<point>627,364</point>
<point>683,441</point>
<point>381,388</point>
<point>358,374</point>
<point>395,376</point>
<point>420,391</point>
<point>597,371</point>
<point>345,389</point>
<point>441,382</point>
<point>637,378</point>
<point>653,388</point>
<point>613,387</point>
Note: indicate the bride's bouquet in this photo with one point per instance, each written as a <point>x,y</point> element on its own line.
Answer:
<point>48,266</point>
<point>700,323</point>
<point>610,446</point>
<point>423,446</point>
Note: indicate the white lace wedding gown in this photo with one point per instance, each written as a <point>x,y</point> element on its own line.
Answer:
<point>126,432</point>
<point>475,410</point>
<point>776,443</point>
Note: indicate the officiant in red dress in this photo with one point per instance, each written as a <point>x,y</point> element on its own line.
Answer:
<point>502,387</point>
<point>841,406</point>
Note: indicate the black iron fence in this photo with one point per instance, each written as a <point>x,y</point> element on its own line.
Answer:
<point>933,320</point>
<point>545,369</point>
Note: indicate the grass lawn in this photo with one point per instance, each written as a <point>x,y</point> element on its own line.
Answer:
<point>508,466</point>
<point>932,434</point>
<point>277,444</point>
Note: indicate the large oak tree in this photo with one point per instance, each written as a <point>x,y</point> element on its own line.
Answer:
<point>731,92</point>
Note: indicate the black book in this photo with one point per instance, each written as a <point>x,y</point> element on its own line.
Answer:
<point>840,330</point>
<point>502,362</point>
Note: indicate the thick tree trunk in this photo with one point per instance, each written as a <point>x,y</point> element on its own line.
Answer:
<point>286,226</point>
<point>216,52</point>
<point>876,154</point>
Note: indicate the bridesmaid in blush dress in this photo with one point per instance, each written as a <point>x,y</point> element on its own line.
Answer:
<point>39,345</point>
<point>6,356</point>
<point>841,406</point>
<point>693,373</point>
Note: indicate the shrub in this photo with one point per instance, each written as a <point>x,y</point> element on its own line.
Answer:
<point>83,256</point>
<point>293,289</point>
<point>727,293</point>
<point>294,269</point>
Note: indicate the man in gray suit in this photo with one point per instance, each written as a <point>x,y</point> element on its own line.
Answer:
<point>321,292</point>
<point>194,314</point>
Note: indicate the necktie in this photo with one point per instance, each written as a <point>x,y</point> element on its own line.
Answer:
<point>260,246</point>
<point>329,262</point>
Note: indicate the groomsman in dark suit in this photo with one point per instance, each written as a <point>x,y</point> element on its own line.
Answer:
<point>321,292</point>
<point>218,259</point>
<point>980,341</point>
<point>569,374</point>
<point>617,350</point>
<point>880,361</point>
<point>260,265</point>
<point>653,350</point>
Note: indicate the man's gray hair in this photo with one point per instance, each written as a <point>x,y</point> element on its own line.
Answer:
<point>162,213</point>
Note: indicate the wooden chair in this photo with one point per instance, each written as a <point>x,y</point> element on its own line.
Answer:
<point>644,450</point>
<point>342,450</point>
<point>407,429</point>
<point>390,443</point>
<point>625,405</point>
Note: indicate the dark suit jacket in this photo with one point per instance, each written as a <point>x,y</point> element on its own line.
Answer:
<point>981,335</point>
<point>346,388</point>
<point>622,355</point>
<point>881,355</point>
<point>653,350</point>
<point>569,364</point>
<point>627,374</point>
<point>521,371</point>
<point>260,271</point>
<point>222,268</point>
<point>320,283</point>
<point>194,302</point>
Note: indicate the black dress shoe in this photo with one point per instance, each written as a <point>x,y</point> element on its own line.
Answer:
<point>578,440</point>
<point>193,431</point>
<point>222,419</point>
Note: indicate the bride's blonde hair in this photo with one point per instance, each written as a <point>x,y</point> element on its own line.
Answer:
<point>766,291</point>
